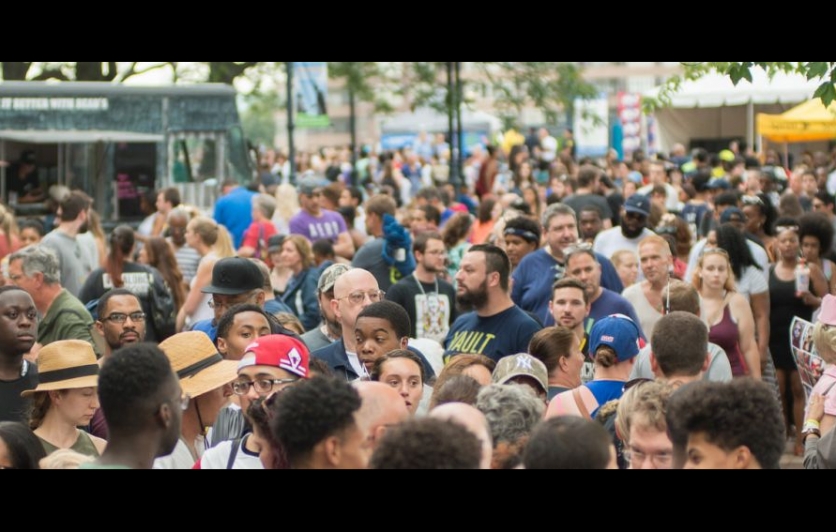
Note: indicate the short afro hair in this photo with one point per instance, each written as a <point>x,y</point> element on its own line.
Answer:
<point>312,410</point>
<point>427,443</point>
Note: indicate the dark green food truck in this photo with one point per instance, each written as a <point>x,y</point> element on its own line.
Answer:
<point>118,141</point>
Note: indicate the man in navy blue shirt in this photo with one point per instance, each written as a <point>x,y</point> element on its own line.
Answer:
<point>537,271</point>
<point>496,327</point>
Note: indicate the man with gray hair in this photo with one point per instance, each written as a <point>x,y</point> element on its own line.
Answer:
<point>63,317</point>
<point>537,271</point>
<point>512,412</point>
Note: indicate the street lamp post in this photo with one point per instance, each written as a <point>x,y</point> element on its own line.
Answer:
<point>291,151</point>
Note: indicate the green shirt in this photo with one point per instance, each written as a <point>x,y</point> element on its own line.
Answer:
<point>66,319</point>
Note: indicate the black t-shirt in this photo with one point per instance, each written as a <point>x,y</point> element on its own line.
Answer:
<point>13,407</point>
<point>425,309</point>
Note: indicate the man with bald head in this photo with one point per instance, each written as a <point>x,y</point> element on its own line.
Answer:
<point>382,407</point>
<point>354,290</point>
<point>473,420</point>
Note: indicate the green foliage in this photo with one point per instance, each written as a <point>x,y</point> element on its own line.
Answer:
<point>258,116</point>
<point>823,71</point>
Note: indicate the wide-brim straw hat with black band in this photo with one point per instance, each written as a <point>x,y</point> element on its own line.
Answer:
<point>197,362</point>
<point>65,365</point>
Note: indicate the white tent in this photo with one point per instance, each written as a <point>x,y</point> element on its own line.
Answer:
<point>713,107</point>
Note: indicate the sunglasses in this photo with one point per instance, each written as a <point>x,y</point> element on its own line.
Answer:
<point>712,250</point>
<point>635,382</point>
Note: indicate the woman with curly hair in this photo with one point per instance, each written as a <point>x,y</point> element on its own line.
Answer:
<point>816,234</point>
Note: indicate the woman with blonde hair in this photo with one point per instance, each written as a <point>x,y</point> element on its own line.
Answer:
<point>287,204</point>
<point>66,397</point>
<point>224,247</point>
<point>94,224</point>
<point>824,338</point>
<point>9,237</point>
<point>727,313</point>
<point>301,294</point>
<point>202,235</point>
<point>626,264</point>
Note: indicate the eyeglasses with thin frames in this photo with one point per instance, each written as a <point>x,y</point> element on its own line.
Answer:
<point>357,297</point>
<point>637,458</point>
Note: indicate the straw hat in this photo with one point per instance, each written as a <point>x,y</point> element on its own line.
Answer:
<point>65,365</point>
<point>197,362</point>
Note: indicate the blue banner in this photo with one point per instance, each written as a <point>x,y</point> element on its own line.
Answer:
<point>311,93</point>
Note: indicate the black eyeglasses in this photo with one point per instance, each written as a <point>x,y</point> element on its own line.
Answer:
<point>120,317</point>
<point>262,386</point>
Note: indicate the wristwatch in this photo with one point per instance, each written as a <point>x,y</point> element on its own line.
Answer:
<point>810,431</point>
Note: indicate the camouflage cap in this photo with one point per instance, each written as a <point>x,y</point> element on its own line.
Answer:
<point>330,275</point>
<point>521,365</point>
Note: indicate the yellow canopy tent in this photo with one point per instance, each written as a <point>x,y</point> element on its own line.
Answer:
<point>811,121</point>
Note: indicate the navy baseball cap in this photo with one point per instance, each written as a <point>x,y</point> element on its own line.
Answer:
<point>638,203</point>
<point>732,214</point>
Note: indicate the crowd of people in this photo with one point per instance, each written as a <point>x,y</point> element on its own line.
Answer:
<point>536,311</point>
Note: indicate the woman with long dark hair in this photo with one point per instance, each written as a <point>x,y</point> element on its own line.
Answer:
<point>760,217</point>
<point>157,253</point>
<point>122,272</point>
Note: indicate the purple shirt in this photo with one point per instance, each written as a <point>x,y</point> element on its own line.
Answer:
<point>329,225</point>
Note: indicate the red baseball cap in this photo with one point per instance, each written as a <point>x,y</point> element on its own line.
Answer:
<point>278,350</point>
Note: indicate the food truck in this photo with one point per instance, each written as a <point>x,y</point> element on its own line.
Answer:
<point>118,141</point>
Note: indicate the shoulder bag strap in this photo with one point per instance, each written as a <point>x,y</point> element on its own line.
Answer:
<point>576,394</point>
<point>236,444</point>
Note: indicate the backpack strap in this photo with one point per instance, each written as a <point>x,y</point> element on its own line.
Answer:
<point>236,444</point>
<point>576,394</point>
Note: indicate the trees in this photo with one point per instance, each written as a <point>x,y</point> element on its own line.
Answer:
<point>823,71</point>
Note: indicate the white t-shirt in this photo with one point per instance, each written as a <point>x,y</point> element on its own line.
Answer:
<point>611,240</point>
<point>672,196</point>
<point>648,316</point>
<point>217,457</point>
<point>181,457</point>
<point>753,281</point>
<point>549,146</point>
